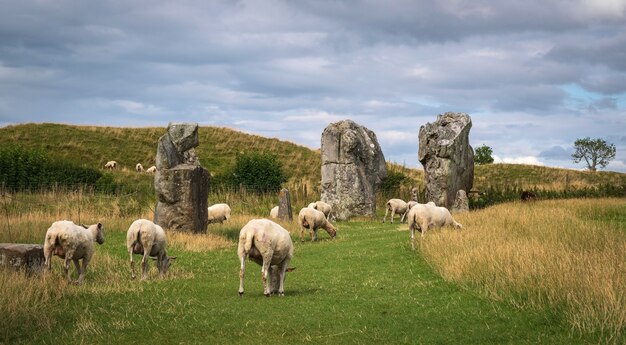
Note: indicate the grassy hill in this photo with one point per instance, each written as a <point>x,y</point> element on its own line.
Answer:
<point>94,146</point>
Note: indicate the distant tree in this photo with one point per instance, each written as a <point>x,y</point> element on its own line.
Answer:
<point>483,155</point>
<point>595,152</point>
<point>259,172</point>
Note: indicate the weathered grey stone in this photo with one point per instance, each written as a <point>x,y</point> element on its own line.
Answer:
<point>461,202</point>
<point>414,192</point>
<point>447,157</point>
<point>180,182</point>
<point>353,166</point>
<point>284,205</point>
<point>18,256</point>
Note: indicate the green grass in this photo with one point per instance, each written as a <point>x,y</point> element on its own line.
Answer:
<point>364,287</point>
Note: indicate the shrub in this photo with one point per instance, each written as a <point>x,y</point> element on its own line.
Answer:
<point>258,172</point>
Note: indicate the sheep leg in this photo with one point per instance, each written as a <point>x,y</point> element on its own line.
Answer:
<point>66,266</point>
<point>47,254</point>
<point>81,271</point>
<point>242,271</point>
<point>281,279</point>
<point>144,264</point>
<point>403,216</point>
<point>386,212</point>
<point>265,270</point>
<point>412,228</point>
<point>314,235</point>
<point>78,270</point>
<point>301,233</point>
<point>132,262</point>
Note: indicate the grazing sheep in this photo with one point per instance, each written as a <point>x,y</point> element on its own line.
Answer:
<point>269,245</point>
<point>72,242</point>
<point>396,206</point>
<point>111,165</point>
<point>323,207</point>
<point>423,217</point>
<point>274,212</point>
<point>409,205</point>
<point>219,213</point>
<point>151,170</point>
<point>139,167</point>
<point>143,234</point>
<point>313,219</point>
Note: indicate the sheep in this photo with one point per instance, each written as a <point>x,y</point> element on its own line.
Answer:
<point>151,170</point>
<point>111,165</point>
<point>219,213</point>
<point>274,212</point>
<point>269,245</point>
<point>72,242</point>
<point>323,207</point>
<point>396,206</point>
<point>143,234</point>
<point>409,205</point>
<point>421,217</point>
<point>139,167</point>
<point>313,219</point>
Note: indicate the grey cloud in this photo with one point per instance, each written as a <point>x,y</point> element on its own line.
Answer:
<point>557,153</point>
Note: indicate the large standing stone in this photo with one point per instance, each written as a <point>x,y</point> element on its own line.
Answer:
<point>461,202</point>
<point>180,182</point>
<point>284,205</point>
<point>17,256</point>
<point>447,157</point>
<point>353,166</point>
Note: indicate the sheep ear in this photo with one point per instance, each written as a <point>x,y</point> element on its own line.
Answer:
<point>289,269</point>
<point>172,257</point>
<point>99,225</point>
<point>84,226</point>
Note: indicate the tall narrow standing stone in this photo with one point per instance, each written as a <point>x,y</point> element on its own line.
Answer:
<point>447,157</point>
<point>284,205</point>
<point>181,183</point>
<point>353,166</point>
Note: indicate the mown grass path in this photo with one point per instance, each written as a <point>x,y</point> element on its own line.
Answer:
<point>365,287</point>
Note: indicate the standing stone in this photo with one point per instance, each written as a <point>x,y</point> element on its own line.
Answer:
<point>353,166</point>
<point>414,192</point>
<point>461,202</point>
<point>447,157</point>
<point>284,205</point>
<point>17,256</point>
<point>180,182</point>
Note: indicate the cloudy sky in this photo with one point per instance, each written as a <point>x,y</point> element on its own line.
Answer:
<point>534,75</point>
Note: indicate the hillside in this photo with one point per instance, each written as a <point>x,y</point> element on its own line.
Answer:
<point>94,146</point>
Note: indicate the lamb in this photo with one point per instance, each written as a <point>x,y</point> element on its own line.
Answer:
<point>396,206</point>
<point>274,212</point>
<point>269,245</point>
<point>422,217</point>
<point>151,170</point>
<point>143,234</point>
<point>139,167</point>
<point>219,213</point>
<point>313,219</point>
<point>323,207</point>
<point>111,165</point>
<point>72,242</point>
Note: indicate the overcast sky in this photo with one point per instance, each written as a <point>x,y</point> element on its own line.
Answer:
<point>534,75</point>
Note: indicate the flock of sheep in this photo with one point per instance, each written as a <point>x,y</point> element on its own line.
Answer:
<point>112,165</point>
<point>261,240</point>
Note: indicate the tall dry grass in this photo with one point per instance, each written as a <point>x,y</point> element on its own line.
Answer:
<point>569,256</point>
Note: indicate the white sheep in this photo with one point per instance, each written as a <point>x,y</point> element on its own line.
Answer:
<point>422,217</point>
<point>219,213</point>
<point>151,170</point>
<point>396,206</point>
<point>313,219</point>
<point>139,167</point>
<point>409,205</point>
<point>269,245</point>
<point>72,242</point>
<point>323,207</point>
<point>274,212</point>
<point>111,165</point>
<point>143,234</point>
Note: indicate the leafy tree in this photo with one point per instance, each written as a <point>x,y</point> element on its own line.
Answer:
<point>483,155</point>
<point>259,172</point>
<point>595,152</point>
<point>391,183</point>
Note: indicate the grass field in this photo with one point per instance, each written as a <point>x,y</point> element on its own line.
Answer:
<point>364,287</point>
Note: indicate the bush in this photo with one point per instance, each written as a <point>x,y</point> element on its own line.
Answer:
<point>391,184</point>
<point>27,169</point>
<point>258,172</point>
